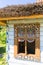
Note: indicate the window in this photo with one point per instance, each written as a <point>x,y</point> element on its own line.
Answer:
<point>30,31</point>
<point>20,31</point>
<point>21,46</point>
<point>27,39</point>
<point>31,47</point>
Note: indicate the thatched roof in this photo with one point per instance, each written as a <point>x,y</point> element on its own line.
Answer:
<point>21,10</point>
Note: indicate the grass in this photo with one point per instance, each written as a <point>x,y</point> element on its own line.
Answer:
<point>3,45</point>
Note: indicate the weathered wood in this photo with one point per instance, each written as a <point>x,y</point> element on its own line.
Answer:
<point>2,23</point>
<point>22,17</point>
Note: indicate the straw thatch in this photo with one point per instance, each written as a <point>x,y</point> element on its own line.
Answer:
<point>21,10</point>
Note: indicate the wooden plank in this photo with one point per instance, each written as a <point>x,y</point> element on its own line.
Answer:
<point>25,21</point>
<point>23,17</point>
<point>2,23</point>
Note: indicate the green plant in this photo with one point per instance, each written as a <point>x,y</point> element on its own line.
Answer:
<point>3,45</point>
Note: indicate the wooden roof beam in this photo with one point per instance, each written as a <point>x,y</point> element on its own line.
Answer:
<point>2,23</point>
<point>21,17</point>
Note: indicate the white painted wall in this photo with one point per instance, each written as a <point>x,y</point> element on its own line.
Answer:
<point>10,48</point>
<point>41,41</point>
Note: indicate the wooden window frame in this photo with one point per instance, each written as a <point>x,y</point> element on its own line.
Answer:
<point>36,55</point>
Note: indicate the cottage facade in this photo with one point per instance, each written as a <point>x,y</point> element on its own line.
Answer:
<point>24,32</point>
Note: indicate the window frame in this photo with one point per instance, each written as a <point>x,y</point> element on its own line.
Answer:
<point>25,38</point>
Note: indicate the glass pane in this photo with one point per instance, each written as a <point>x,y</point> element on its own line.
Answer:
<point>30,31</point>
<point>30,47</point>
<point>21,46</point>
<point>20,31</point>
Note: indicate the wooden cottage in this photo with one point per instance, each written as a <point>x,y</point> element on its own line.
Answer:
<point>24,31</point>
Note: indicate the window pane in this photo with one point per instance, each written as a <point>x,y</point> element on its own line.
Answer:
<point>30,47</point>
<point>30,31</point>
<point>20,31</point>
<point>21,46</point>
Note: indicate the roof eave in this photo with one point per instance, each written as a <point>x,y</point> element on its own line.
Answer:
<point>22,17</point>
